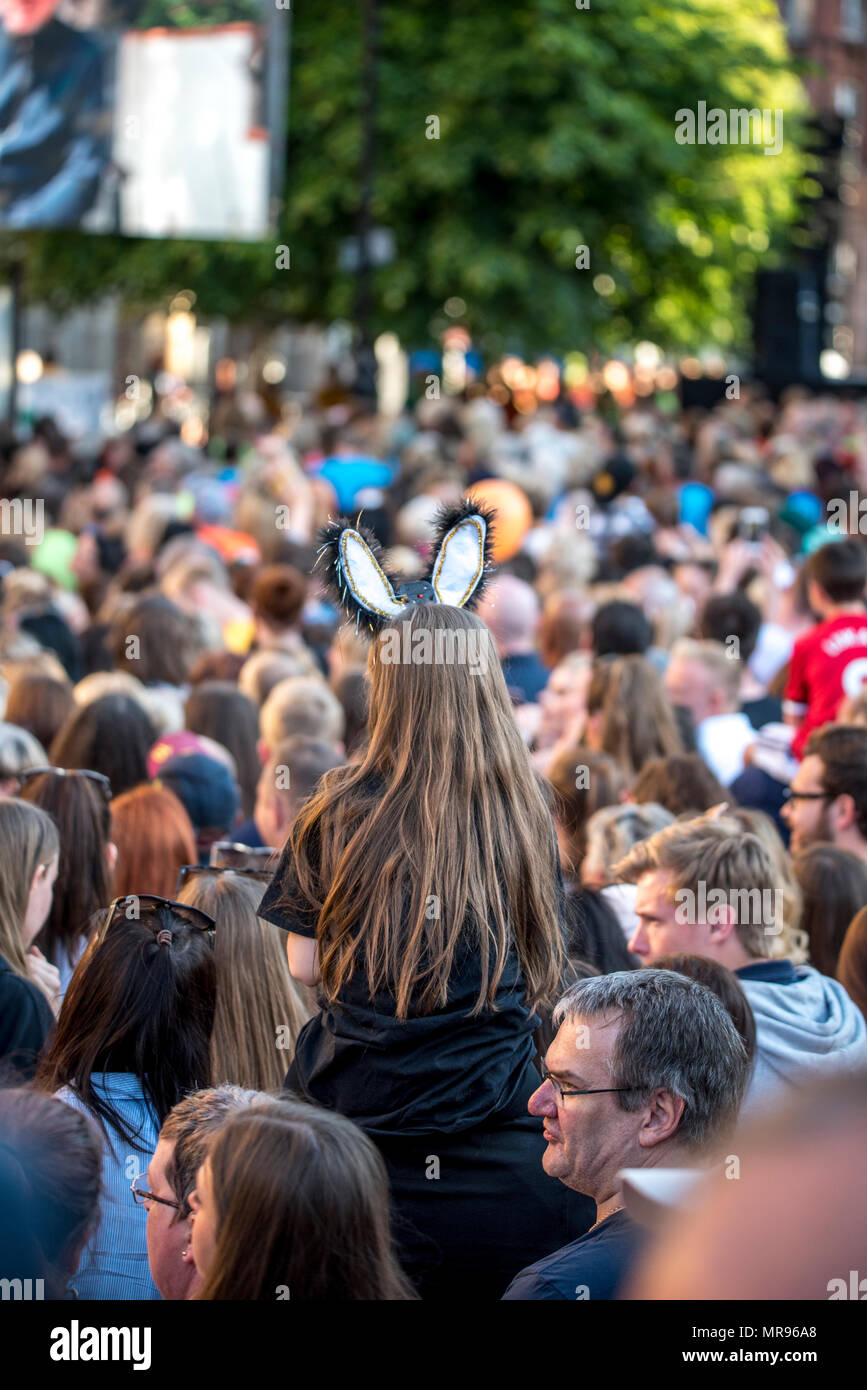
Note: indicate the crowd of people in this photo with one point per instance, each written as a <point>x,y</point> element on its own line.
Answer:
<point>329,975</point>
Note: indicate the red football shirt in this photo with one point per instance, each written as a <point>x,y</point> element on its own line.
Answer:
<point>828,663</point>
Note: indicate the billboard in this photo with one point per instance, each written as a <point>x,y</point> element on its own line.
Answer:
<point>143,117</point>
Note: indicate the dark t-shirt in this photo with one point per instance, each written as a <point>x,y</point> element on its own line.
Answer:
<point>25,1022</point>
<point>593,1267</point>
<point>445,1071</point>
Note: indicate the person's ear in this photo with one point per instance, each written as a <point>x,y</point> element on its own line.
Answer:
<point>721,922</point>
<point>843,811</point>
<point>111,856</point>
<point>263,750</point>
<point>662,1119</point>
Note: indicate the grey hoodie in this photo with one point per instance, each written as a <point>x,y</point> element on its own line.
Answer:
<point>807,1028</point>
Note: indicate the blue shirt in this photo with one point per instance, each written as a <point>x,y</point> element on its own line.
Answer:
<point>349,473</point>
<point>114,1263</point>
<point>593,1267</point>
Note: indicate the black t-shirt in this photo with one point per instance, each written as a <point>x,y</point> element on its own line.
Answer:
<point>25,1022</point>
<point>439,1072</point>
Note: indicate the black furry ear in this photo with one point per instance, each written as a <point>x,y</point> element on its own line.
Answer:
<point>462,553</point>
<point>351,570</point>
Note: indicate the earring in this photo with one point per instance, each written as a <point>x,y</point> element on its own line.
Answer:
<point>183,1254</point>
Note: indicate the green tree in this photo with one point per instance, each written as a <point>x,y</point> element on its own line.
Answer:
<point>556,131</point>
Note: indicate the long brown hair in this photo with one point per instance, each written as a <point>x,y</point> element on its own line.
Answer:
<point>256,995</point>
<point>84,880</point>
<point>28,839</point>
<point>638,722</point>
<point>301,1198</point>
<point>441,829</point>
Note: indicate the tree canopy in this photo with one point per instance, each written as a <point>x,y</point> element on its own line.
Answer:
<point>556,130</point>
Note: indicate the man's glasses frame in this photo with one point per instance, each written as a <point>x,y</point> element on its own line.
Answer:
<point>193,916</point>
<point>592,1091</point>
<point>790,795</point>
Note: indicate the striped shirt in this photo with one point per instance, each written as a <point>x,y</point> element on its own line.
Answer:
<point>114,1263</point>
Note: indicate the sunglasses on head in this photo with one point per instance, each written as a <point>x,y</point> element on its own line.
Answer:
<point>132,906</point>
<point>191,871</point>
<point>99,779</point>
<point>228,854</point>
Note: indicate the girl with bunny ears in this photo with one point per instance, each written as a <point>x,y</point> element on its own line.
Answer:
<point>420,890</point>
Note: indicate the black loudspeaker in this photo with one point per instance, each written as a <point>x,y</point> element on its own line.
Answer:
<point>787,326</point>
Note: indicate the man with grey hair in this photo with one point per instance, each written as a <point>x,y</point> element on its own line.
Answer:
<point>646,1070</point>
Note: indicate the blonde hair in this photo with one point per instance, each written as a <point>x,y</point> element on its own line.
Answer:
<point>256,994</point>
<point>792,943</point>
<point>720,855</point>
<point>264,670</point>
<point>723,669</point>
<point>28,839</point>
<point>304,706</point>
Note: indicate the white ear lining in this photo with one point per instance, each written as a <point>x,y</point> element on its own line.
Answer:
<point>365,577</point>
<point>460,562</point>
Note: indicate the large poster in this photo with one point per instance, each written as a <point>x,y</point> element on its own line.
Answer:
<point>143,117</point>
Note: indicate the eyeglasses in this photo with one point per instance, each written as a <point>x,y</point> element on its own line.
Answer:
<point>98,778</point>
<point>141,1195</point>
<point>193,916</point>
<point>790,795</point>
<point>594,1091</point>
<point>189,871</point>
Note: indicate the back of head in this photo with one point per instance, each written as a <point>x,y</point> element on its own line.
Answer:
<point>839,569</point>
<point>674,1033</point>
<point>278,595</point>
<point>141,1001</point>
<point>734,615</point>
<point>833,883</point>
<point>154,838</point>
<point>50,1169</point>
<point>205,788</point>
<point>445,781</point>
<point>19,751</point>
<point>155,641</point>
<point>637,719</point>
<point>583,783</point>
<point>682,783</point>
<point>83,885</point>
<point>723,983</point>
<point>40,704</point>
<point>28,839</point>
<point>111,735</point>
<point>301,705</point>
<point>510,609</point>
<point>321,1185</point>
<point>620,629</point>
<point>265,669</point>
<point>614,830</point>
<point>260,1011</point>
<point>305,762</point>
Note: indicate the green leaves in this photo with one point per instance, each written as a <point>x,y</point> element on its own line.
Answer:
<point>556,127</point>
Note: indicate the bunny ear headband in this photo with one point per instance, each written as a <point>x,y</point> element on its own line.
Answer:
<point>458,572</point>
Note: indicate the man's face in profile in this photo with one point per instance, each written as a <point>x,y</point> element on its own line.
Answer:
<point>26,16</point>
